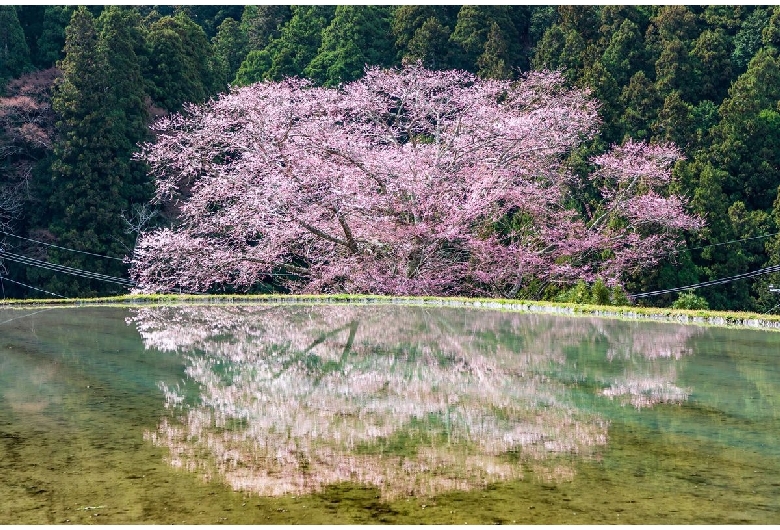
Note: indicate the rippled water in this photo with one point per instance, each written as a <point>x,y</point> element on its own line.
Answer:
<point>372,414</point>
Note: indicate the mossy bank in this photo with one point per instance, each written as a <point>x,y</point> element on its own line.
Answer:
<point>699,317</point>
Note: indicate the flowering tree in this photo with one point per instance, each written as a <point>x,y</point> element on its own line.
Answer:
<point>405,182</point>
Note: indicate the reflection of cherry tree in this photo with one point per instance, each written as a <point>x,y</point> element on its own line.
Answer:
<point>406,399</point>
<point>656,383</point>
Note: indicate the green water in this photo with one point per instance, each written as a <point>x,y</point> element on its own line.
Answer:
<point>382,414</point>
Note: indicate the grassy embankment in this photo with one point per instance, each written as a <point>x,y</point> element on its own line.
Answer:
<point>702,317</point>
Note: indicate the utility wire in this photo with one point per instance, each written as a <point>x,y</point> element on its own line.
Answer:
<point>59,247</point>
<point>24,260</point>
<point>673,252</point>
<point>778,305</point>
<point>6,279</point>
<point>719,281</point>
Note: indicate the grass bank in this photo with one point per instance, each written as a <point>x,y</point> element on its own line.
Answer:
<point>700,317</point>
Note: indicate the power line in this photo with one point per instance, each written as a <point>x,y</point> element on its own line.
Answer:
<point>6,279</point>
<point>719,244</point>
<point>59,247</point>
<point>720,281</point>
<point>24,260</point>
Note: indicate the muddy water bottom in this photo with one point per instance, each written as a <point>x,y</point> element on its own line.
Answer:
<point>191,415</point>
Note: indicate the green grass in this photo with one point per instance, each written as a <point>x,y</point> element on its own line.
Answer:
<point>702,317</point>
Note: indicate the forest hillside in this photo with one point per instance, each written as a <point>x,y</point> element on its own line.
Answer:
<point>81,87</point>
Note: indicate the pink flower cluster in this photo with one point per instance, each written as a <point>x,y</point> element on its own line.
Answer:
<point>406,181</point>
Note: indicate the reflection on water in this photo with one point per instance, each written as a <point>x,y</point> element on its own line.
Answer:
<point>290,399</point>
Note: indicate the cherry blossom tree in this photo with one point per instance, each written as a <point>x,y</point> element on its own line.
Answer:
<point>406,181</point>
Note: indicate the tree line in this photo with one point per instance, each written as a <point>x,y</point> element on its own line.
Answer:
<point>81,85</point>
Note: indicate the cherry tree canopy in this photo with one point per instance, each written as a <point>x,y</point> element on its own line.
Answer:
<point>404,182</point>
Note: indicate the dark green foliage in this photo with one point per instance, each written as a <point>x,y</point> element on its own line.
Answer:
<point>748,39</point>
<point>14,52</point>
<point>254,68</point>
<point>472,30</point>
<point>230,49</point>
<point>31,19</point>
<point>210,17</point>
<point>494,61</point>
<point>51,41</point>
<point>541,18</point>
<point>422,33</point>
<point>262,24</point>
<point>564,49</point>
<point>711,54</point>
<point>430,45</point>
<point>288,55</point>
<point>181,66</point>
<point>102,115</point>
<point>624,52</point>
<point>408,20</point>
<point>357,36</point>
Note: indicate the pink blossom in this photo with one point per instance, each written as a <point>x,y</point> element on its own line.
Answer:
<point>404,182</point>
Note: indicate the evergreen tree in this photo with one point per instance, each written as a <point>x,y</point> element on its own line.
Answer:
<point>748,39</point>
<point>640,103</point>
<point>210,17</point>
<point>471,34</point>
<point>14,53</point>
<point>289,55</point>
<point>181,65</point>
<point>126,109</point>
<point>582,19</point>
<point>230,49</point>
<point>563,48</point>
<point>712,65</point>
<point>407,24</point>
<point>674,122</point>
<point>254,68</point>
<point>541,19</point>
<point>52,38</point>
<point>357,36</point>
<point>430,45</point>
<point>624,55</point>
<point>99,105</point>
<point>262,24</point>
<point>494,61</point>
<point>674,70</point>
<point>739,181</point>
<point>31,20</point>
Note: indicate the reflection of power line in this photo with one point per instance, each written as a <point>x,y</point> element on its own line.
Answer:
<point>54,267</point>
<point>720,281</point>
<point>27,315</point>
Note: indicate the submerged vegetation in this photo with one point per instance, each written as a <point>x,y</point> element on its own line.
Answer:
<point>381,413</point>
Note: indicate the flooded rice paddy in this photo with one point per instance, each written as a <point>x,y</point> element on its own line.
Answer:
<point>382,414</point>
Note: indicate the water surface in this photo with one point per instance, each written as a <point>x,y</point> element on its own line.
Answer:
<point>382,414</point>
